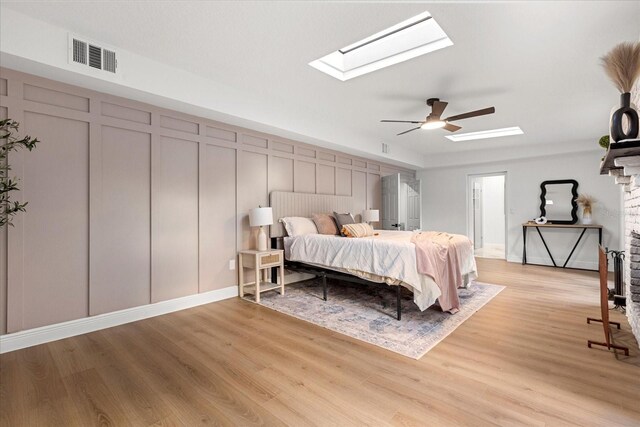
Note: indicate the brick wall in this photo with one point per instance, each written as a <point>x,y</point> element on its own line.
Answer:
<point>632,224</point>
<point>632,264</point>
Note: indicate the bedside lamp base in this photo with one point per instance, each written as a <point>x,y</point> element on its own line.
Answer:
<point>262,239</point>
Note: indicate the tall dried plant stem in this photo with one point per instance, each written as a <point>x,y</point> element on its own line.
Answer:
<point>622,65</point>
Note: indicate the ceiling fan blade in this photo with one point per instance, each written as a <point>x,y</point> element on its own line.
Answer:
<point>451,127</point>
<point>400,121</point>
<point>438,108</point>
<point>407,131</point>
<point>470,114</point>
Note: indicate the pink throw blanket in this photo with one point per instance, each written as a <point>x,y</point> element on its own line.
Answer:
<point>439,256</point>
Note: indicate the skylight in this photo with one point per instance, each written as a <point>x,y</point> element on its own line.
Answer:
<point>494,133</point>
<point>401,42</point>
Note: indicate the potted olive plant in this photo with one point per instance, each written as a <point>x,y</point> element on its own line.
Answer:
<point>8,143</point>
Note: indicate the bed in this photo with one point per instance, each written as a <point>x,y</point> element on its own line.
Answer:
<point>390,257</point>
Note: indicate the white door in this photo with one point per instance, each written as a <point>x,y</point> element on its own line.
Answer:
<point>414,203</point>
<point>390,192</point>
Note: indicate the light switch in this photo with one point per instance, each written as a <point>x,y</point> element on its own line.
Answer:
<point>232,264</point>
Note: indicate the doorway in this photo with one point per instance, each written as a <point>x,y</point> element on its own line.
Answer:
<point>487,215</point>
<point>401,203</point>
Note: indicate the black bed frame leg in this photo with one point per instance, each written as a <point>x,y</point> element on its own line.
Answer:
<point>398,301</point>
<point>324,287</point>
<point>274,270</point>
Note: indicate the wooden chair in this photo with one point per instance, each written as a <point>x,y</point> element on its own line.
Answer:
<point>604,306</point>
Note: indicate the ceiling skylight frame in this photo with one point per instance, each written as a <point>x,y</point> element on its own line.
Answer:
<point>485,134</point>
<point>406,40</point>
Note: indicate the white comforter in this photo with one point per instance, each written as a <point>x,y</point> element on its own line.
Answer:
<point>390,255</point>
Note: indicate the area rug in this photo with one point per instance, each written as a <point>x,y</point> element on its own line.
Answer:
<point>367,313</point>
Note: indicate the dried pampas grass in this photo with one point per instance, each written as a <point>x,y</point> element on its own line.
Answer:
<point>586,202</point>
<point>622,65</point>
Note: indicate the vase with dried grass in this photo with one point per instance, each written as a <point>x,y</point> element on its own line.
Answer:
<point>622,65</point>
<point>586,202</point>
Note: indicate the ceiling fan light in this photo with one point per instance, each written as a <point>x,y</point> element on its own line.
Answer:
<point>433,124</point>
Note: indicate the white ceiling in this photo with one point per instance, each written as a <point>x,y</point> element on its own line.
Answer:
<point>536,62</point>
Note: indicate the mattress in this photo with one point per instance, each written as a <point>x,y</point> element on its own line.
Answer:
<point>389,257</point>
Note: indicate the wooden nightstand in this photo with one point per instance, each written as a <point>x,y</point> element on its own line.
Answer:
<point>260,261</point>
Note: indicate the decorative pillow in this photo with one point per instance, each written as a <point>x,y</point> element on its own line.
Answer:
<point>298,226</point>
<point>342,219</point>
<point>358,230</point>
<point>325,223</point>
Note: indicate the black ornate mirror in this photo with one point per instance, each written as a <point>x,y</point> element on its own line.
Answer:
<point>558,201</point>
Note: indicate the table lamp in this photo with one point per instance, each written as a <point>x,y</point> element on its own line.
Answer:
<point>259,217</point>
<point>371,215</point>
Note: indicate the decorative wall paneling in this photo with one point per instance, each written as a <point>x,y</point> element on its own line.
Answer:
<point>3,240</point>
<point>121,274</point>
<point>131,204</point>
<point>175,212</point>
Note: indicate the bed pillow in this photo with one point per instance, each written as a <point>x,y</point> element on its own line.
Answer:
<point>298,226</point>
<point>343,219</point>
<point>325,223</point>
<point>358,230</point>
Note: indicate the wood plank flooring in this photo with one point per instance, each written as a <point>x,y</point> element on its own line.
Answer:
<point>521,360</point>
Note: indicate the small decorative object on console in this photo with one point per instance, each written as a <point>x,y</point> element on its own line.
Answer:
<point>586,202</point>
<point>540,220</point>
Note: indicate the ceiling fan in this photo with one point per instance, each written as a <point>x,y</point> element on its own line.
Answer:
<point>433,120</point>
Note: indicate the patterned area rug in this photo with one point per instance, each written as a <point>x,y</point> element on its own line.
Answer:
<point>368,313</point>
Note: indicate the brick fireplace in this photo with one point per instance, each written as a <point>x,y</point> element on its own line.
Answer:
<point>629,177</point>
<point>632,248</point>
<point>633,291</point>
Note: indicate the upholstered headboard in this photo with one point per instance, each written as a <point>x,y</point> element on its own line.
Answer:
<point>303,204</point>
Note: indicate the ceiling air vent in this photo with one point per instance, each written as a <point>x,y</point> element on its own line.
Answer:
<point>90,54</point>
<point>95,57</point>
<point>108,60</point>
<point>79,52</point>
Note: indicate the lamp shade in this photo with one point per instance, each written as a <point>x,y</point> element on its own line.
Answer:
<point>260,216</point>
<point>371,215</point>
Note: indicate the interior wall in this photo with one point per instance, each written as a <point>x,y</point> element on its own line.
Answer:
<point>131,204</point>
<point>493,216</point>
<point>444,202</point>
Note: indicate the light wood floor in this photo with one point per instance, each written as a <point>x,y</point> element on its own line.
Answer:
<point>490,250</point>
<point>521,360</point>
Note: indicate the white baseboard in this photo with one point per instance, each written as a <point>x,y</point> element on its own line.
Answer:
<point>546,261</point>
<point>44,334</point>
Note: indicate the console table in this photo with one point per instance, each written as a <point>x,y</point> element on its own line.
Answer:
<point>583,227</point>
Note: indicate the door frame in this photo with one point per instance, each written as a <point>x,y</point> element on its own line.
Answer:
<point>469,205</point>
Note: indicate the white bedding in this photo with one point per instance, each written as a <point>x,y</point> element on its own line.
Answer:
<point>389,255</point>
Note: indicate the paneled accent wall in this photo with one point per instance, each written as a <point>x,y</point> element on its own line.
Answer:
<point>130,204</point>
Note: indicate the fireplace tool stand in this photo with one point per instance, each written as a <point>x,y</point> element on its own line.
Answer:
<point>617,296</point>
<point>603,262</point>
